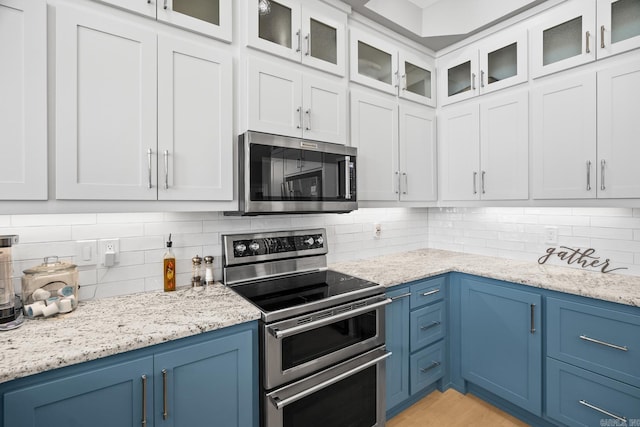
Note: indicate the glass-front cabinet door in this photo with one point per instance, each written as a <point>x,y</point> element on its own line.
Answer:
<point>209,17</point>
<point>323,41</point>
<point>503,61</point>
<point>417,79</point>
<point>274,26</point>
<point>565,38</point>
<point>459,77</point>
<point>373,62</point>
<point>618,26</point>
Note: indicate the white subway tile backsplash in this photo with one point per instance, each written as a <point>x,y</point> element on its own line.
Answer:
<point>52,219</point>
<point>5,220</point>
<point>173,227</point>
<point>106,231</point>
<point>124,218</point>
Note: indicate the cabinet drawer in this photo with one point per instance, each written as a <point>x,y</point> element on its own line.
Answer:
<point>428,325</point>
<point>427,291</point>
<point>581,398</point>
<point>598,339</point>
<point>427,366</point>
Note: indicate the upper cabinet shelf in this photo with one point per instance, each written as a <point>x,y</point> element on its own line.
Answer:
<point>312,34</point>
<point>209,17</point>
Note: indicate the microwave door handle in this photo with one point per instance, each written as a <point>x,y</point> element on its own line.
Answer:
<point>281,403</point>
<point>347,178</point>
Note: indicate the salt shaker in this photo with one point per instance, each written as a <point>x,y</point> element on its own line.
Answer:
<point>208,270</point>
<point>196,269</point>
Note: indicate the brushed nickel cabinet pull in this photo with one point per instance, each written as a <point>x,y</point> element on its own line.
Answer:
<point>482,181</point>
<point>144,400</point>
<point>165,4</point>
<point>602,36</point>
<point>406,182</point>
<point>429,326</point>
<point>588,175</point>
<point>533,318</point>
<point>149,153</point>
<point>481,78</point>
<point>299,34</point>
<point>602,411</point>
<point>603,163</point>
<point>408,294</point>
<point>166,169</point>
<point>308,39</point>
<point>433,292</point>
<point>165,413</point>
<point>299,111</point>
<point>473,81</point>
<point>593,340</point>
<point>397,182</point>
<point>475,184</point>
<point>308,113</point>
<point>586,38</point>
<point>404,81</point>
<point>434,364</point>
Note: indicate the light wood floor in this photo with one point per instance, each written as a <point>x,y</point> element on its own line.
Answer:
<point>453,409</point>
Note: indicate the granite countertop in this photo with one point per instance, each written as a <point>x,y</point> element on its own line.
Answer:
<point>395,269</point>
<point>109,326</point>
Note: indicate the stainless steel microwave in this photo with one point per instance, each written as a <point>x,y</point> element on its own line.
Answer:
<point>279,174</point>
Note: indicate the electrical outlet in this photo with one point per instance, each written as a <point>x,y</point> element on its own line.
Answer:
<point>551,235</point>
<point>377,230</point>
<point>109,252</point>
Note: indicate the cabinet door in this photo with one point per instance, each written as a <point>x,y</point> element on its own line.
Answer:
<point>143,7</point>
<point>458,78</point>
<point>564,138</point>
<point>209,17</point>
<point>460,153</point>
<point>374,131</point>
<point>501,341</point>
<point>23,103</point>
<point>324,40</point>
<point>504,148</point>
<point>618,150</point>
<point>503,60</point>
<point>325,110</point>
<point>564,38</point>
<point>105,107</point>
<point>417,79</point>
<point>373,62</point>
<point>195,117</point>
<point>397,342</point>
<point>618,26</point>
<point>276,30</point>
<point>206,384</point>
<point>107,397</point>
<point>418,175</point>
<point>275,99</point>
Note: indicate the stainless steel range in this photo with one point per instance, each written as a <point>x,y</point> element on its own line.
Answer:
<point>322,332</point>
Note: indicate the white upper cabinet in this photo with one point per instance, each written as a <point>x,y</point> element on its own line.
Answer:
<point>209,17</point>
<point>284,101</point>
<point>381,65</point>
<point>23,99</point>
<point>306,32</point>
<point>618,26</point>
<point>495,63</point>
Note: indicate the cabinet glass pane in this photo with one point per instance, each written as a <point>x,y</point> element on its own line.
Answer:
<point>502,63</point>
<point>459,79</point>
<point>323,43</point>
<point>374,63</point>
<point>204,10</point>
<point>562,41</point>
<point>625,20</point>
<point>418,80</point>
<point>275,26</point>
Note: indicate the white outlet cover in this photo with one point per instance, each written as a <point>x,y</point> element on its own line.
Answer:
<point>103,246</point>
<point>551,235</point>
<point>86,253</point>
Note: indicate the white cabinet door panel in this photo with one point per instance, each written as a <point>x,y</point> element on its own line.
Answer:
<point>418,174</point>
<point>105,107</point>
<point>324,41</point>
<point>195,119</point>
<point>212,18</point>
<point>564,138</point>
<point>325,110</point>
<point>618,130</point>
<point>374,131</point>
<point>277,32</point>
<point>618,26</point>
<point>23,100</point>
<point>144,7</point>
<point>504,147</point>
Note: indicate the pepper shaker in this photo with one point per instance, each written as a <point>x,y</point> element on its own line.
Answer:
<point>208,270</point>
<point>196,269</point>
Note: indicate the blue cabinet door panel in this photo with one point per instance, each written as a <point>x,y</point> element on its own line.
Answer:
<point>427,366</point>
<point>205,383</point>
<point>577,397</point>
<point>428,325</point>
<point>427,291</point>
<point>501,347</point>
<point>107,397</point>
<point>598,339</point>
<point>397,342</point>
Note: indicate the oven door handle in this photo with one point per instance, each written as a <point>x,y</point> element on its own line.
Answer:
<point>283,333</point>
<point>281,403</point>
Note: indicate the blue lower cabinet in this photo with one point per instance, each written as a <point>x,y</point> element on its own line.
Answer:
<point>397,342</point>
<point>428,325</point>
<point>501,343</point>
<point>577,397</point>
<point>427,366</point>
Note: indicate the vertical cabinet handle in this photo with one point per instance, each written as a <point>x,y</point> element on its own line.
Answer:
<point>406,182</point>
<point>308,39</point>
<point>587,36</point>
<point>165,413</point>
<point>533,318</point>
<point>308,113</point>
<point>482,181</point>
<point>149,153</point>
<point>404,82</point>
<point>166,169</point>
<point>397,84</point>
<point>165,5</point>
<point>347,177</point>
<point>475,186</point>
<point>397,180</point>
<point>144,400</point>
<point>299,35</point>
<point>603,164</point>
<point>602,36</point>
<point>481,78</point>
<point>473,81</point>
<point>299,111</point>
<point>588,175</point>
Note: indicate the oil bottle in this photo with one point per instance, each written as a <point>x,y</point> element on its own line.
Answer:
<point>169,268</point>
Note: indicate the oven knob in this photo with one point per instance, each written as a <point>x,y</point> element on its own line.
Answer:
<point>254,246</point>
<point>241,247</point>
<point>309,241</point>
<point>320,240</point>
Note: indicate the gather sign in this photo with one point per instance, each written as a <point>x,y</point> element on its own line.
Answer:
<point>584,258</point>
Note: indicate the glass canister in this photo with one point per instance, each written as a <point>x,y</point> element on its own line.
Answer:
<point>51,283</point>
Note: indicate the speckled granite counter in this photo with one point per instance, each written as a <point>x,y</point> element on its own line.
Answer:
<point>405,267</point>
<point>115,325</point>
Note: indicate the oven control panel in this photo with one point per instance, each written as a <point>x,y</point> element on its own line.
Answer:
<point>277,244</point>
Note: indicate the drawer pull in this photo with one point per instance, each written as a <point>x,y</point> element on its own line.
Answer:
<point>433,292</point>
<point>533,318</point>
<point>429,326</point>
<point>602,411</point>
<point>433,365</point>
<point>144,401</point>
<point>617,347</point>
<point>165,413</point>
<point>408,294</point>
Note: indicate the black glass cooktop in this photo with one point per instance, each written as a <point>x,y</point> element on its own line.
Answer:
<point>298,290</point>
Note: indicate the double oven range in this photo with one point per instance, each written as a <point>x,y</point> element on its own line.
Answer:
<point>322,333</point>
